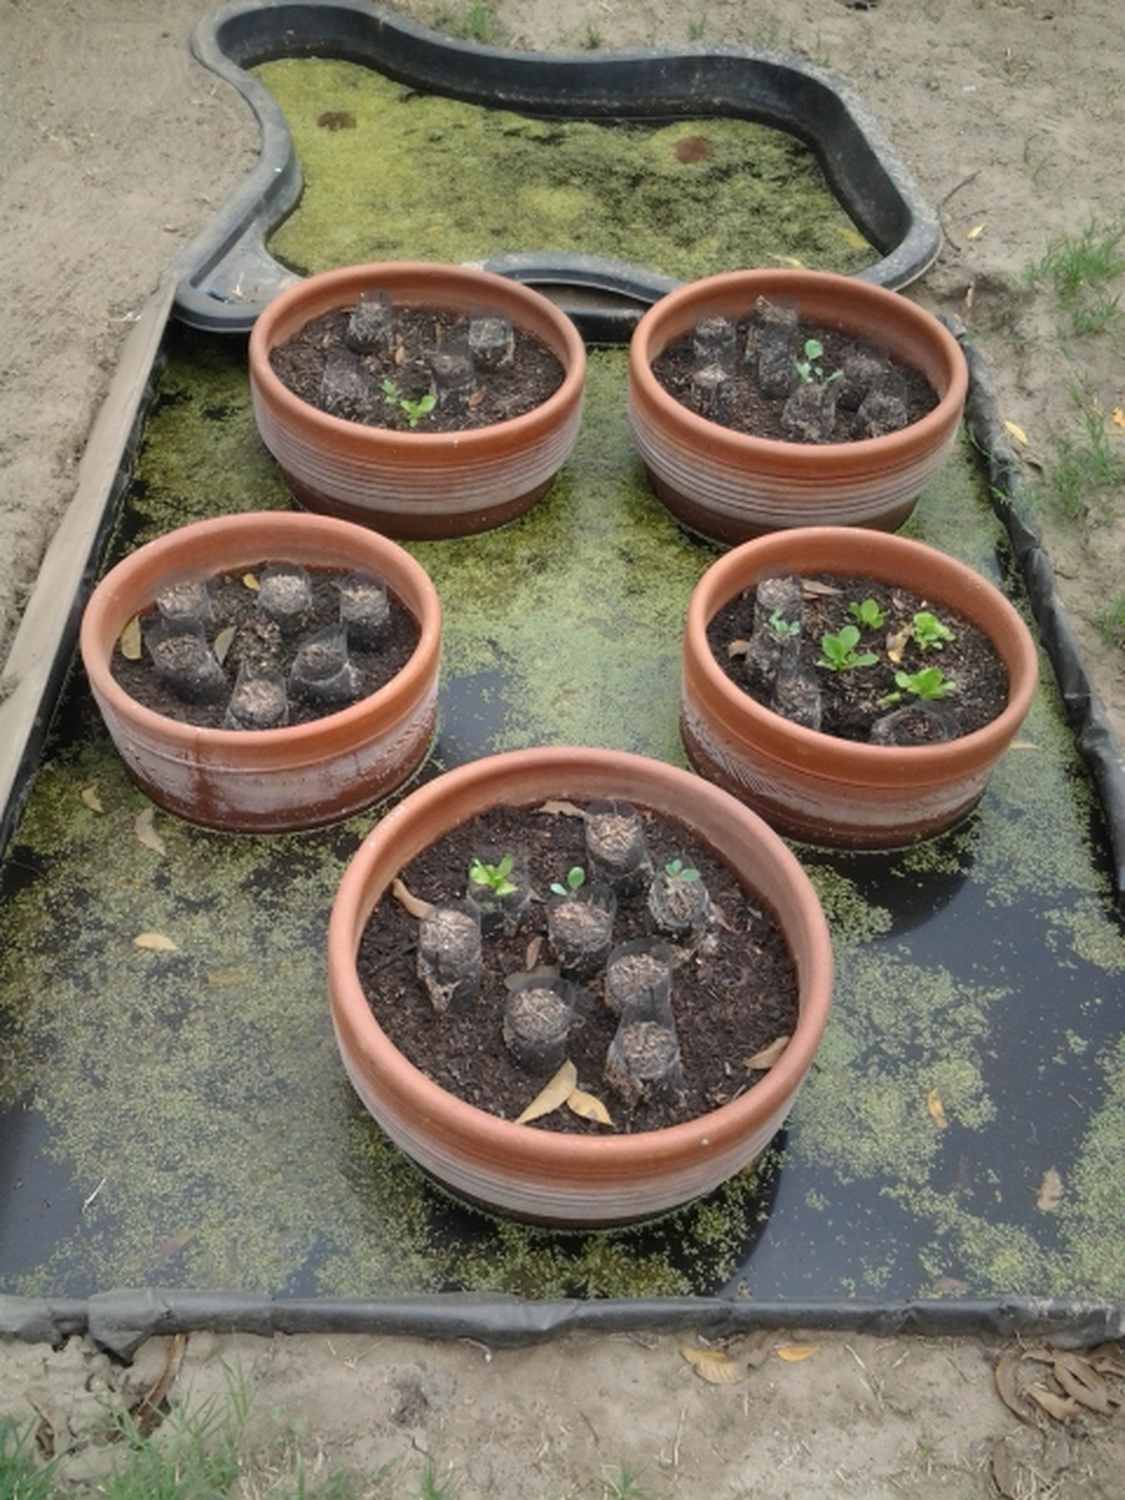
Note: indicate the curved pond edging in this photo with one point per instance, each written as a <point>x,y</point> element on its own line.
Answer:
<point>227,274</point>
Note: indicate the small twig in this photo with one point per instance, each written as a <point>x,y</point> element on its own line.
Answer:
<point>385,963</point>
<point>679,1435</point>
<point>972,177</point>
<point>484,1349</point>
<point>94,1194</point>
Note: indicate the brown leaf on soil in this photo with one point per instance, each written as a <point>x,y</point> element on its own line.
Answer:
<point>146,833</point>
<point>1061,1408</point>
<point>565,809</point>
<point>812,588</point>
<point>759,1349</point>
<point>146,1414</point>
<point>251,582</point>
<point>1050,1192</point>
<point>89,795</point>
<point>714,1366</point>
<point>1004,1472</point>
<point>412,904</point>
<point>936,1109</point>
<point>400,354</point>
<point>1008,1387</point>
<point>541,971</point>
<point>555,1094</point>
<point>1081,1382</point>
<point>155,942</point>
<point>896,644</point>
<point>129,640</point>
<point>533,949</point>
<point>1105,1360</point>
<point>793,1353</point>
<point>1015,430</point>
<point>737,648</point>
<point>222,644</point>
<point>767,1056</point>
<point>476,398</point>
<point>588,1107</point>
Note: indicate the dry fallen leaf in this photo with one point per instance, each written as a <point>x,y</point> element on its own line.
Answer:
<point>541,971</point>
<point>89,795</point>
<point>566,809</point>
<point>975,233</point>
<point>225,979</point>
<point>758,1349</point>
<point>129,640</point>
<point>1017,432</point>
<point>1117,416</point>
<point>714,1366</point>
<point>1005,1374</point>
<point>1004,1472</point>
<point>737,648</point>
<point>251,582</point>
<point>852,237</point>
<point>896,644</point>
<point>936,1109</point>
<point>768,1055</point>
<point>588,1107</point>
<point>788,260</point>
<point>1022,745</point>
<point>155,942</point>
<point>476,398</point>
<point>146,833</point>
<point>812,588</point>
<point>793,1353</point>
<point>1061,1408</point>
<point>531,958</point>
<point>412,904</point>
<point>1050,1192</point>
<point>556,1093</point>
<point>222,644</point>
<point>400,354</point>
<point>1082,1383</point>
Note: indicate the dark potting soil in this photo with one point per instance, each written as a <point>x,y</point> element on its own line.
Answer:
<point>233,604</point>
<point>493,395</point>
<point>748,409</point>
<point>734,997</point>
<point>851,698</point>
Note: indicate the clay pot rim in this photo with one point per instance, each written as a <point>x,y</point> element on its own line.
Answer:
<point>729,575</point>
<point>744,447</point>
<point>542,1149</point>
<point>302,413</point>
<point>375,549</point>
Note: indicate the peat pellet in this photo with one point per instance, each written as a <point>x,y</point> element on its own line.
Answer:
<point>372,324</point>
<point>453,376</point>
<point>715,342</point>
<point>809,415</point>
<point>643,1059</point>
<point>257,648</point>
<point>492,342</point>
<point>712,388</point>
<point>537,1021</point>
<point>187,665</point>
<point>322,671</point>
<point>259,701</point>
<point>365,610</point>
<point>449,957</point>
<point>775,641</point>
<point>797,697</point>
<point>678,903</point>
<point>615,846</point>
<point>285,597</point>
<point>580,929</point>
<point>880,414</point>
<point>916,724</point>
<point>345,387</point>
<point>638,980</point>
<point>864,373</point>
<point>186,605</point>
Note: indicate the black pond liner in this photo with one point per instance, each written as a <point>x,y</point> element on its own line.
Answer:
<point>228,274</point>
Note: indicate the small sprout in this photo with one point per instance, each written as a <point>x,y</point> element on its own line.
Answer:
<point>675,869</point>
<point>929,683</point>
<point>494,877</point>
<point>868,615</point>
<point>929,631</point>
<point>783,628</point>
<point>413,411</point>
<point>839,653</point>
<point>575,879</point>
<point>808,371</point>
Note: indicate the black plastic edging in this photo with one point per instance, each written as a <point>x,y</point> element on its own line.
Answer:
<point>228,275</point>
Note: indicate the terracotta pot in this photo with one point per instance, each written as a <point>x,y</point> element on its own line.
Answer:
<point>530,1172</point>
<point>815,787</point>
<point>265,781</point>
<point>417,484</point>
<point>728,486</point>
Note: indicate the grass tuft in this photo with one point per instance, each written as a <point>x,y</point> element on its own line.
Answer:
<point>1080,268</point>
<point>1086,467</point>
<point>1111,621</point>
<point>21,1477</point>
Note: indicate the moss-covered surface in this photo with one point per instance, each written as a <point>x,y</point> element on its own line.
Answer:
<point>416,176</point>
<point>199,1091</point>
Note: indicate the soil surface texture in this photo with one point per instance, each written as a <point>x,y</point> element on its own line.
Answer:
<point>235,606</point>
<point>734,996</point>
<point>853,699</point>
<point>374,386</point>
<point>744,406</point>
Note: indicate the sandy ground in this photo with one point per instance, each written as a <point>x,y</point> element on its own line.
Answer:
<point>858,1416</point>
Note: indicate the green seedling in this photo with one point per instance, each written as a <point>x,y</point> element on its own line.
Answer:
<point>929,683</point>
<point>783,628</point>
<point>575,880</point>
<point>675,869</point>
<point>929,631</point>
<point>494,877</point>
<point>869,614</point>
<point>1080,267</point>
<point>839,653</point>
<point>808,371</point>
<point>413,411</point>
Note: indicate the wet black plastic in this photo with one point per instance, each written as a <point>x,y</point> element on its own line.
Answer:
<point>228,275</point>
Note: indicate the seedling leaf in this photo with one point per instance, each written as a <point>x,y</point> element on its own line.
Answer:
<point>588,1107</point>
<point>553,1096</point>
<point>130,640</point>
<point>715,1366</point>
<point>411,903</point>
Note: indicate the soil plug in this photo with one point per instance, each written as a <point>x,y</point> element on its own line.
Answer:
<point>322,671</point>
<point>186,664</point>
<point>539,1015</point>
<point>678,901</point>
<point>638,981</point>
<point>715,342</point>
<point>257,646</point>
<point>453,376</point>
<point>499,889</point>
<point>580,923</point>
<point>345,387</point>
<point>449,957</point>
<point>365,610</point>
<point>771,346</point>
<point>882,413</point>
<point>775,640</point>
<point>285,597</point>
<point>615,846</point>
<point>863,373</point>
<point>371,327</point>
<point>259,701</point>
<point>643,1060</point>
<point>809,415</point>
<point>916,724</point>
<point>796,696</point>
<point>187,605</point>
<point>492,341</point>
<point>711,390</point>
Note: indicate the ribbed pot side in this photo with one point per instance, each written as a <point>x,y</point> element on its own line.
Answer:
<point>530,1172</point>
<point>268,781</point>
<point>417,485</point>
<point>730,486</point>
<point>812,786</point>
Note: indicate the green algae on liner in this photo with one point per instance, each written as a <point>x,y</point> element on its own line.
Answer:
<point>422,177</point>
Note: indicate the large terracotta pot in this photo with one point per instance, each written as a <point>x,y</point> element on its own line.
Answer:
<point>417,484</point>
<point>729,486</point>
<point>530,1172</point>
<point>815,787</point>
<point>265,781</point>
